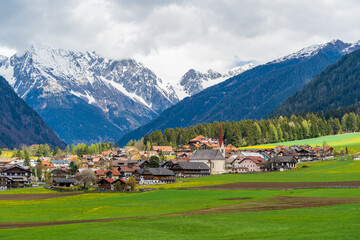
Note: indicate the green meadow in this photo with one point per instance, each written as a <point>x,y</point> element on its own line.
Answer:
<point>151,212</point>
<point>323,171</point>
<point>349,140</point>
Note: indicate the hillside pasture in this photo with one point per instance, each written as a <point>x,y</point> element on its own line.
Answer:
<point>350,140</point>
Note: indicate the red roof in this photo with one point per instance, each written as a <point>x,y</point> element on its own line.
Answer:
<point>128,169</point>
<point>109,180</point>
<point>256,160</point>
<point>103,172</point>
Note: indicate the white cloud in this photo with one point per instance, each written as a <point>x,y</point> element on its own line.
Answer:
<point>172,36</point>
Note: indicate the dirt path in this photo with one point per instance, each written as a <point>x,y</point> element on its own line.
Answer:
<point>277,203</point>
<point>43,224</point>
<point>35,196</point>
<point>247,206</point>
<point>279,185</point>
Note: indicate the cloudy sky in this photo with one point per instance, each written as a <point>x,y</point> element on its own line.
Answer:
<point>171,37</point>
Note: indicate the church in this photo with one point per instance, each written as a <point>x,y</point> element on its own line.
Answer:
<point>215,159</point>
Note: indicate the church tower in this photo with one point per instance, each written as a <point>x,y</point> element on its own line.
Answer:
<point>220,145</point>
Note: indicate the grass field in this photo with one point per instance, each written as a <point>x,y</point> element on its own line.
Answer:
<point>325,171</point>
<point>350,140</point>
<point>338,222</point>
<point>156,214</point>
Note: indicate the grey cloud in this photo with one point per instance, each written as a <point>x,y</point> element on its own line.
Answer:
<point>171,36</point>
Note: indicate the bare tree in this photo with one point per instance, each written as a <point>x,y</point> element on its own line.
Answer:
<point>85,178</point>
<point>131,182</point>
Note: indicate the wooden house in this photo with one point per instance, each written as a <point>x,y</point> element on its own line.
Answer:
<point>191,169</point>
<point>108,184</point>
<point>281,163</point>
<point>157,176</point>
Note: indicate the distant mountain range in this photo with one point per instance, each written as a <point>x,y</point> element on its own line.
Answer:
<point>19,124</point>
<point>251,95</point>
<point>87,98</point>
<point>337,86</point>
<point>194,81</point>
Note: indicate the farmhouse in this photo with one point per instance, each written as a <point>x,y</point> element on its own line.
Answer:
<point>191,169</point>
<point>166,150</point>
<point>247,164</point>
<point>64,182</point>
<point>157,176</point>
<point>58,173</point>
<point>127,171</point>
<point>108,184</point>
<point>282,163</point>
<point>14,176</point>
<point>100,174</point>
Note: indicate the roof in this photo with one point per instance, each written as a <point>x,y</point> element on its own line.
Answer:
<point>65,180</point>
<point>163,148</point>
<point>283,159</point>
<point>141,170</point>
<point>103,172</point>
<point>159,172</point>
<point>47,164</point>
<point>109,180</point>
<point>257,160</point>
<point>251,154</point>
<point>59,161</point>
<point>129,169</point>
<point>108,152</point>
<point>207,155</point>
<point>193,166</point>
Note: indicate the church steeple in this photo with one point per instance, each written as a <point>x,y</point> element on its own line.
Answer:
<point>220,145</point>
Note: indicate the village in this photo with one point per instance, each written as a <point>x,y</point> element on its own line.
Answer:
<point>115,169</point>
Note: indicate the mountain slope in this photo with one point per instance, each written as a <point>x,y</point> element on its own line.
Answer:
<point>252,94</point>
<point>337,86</point>
<point>86,98</point>
<point>19,124</point>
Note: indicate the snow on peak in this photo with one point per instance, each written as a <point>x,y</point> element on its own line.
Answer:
<point>194,81</point>
<point>312,50</point>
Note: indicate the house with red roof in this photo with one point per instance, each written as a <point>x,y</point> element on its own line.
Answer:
<point>114,174</point>
<point>108,184</point>
<point>247,164</point>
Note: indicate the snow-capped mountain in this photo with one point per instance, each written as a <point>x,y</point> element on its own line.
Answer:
<point>194,81</point>
<point>250,95</point>
<point>124,92</point>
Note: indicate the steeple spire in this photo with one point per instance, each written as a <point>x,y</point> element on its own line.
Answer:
<point>221,146</point>
<point>220,137</point>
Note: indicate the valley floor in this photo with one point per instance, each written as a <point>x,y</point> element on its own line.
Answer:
<point>312,213</point>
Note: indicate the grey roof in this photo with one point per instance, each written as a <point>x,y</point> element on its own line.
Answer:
<point>159,172</point>
<point>59,161</point>
<point>193,165</point>
<point>207,155</point>
<point>65,180</point>
<point>283,159</point>
<point>141,170</point>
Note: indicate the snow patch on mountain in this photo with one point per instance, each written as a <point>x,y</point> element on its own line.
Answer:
<point>194,81</point>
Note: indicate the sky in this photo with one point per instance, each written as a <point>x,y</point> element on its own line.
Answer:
<point>171,37</point>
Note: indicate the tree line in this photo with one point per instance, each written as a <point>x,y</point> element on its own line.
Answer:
<point>252,132</point>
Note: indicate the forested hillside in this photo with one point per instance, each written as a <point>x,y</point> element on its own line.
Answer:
<point>337,86</point>
<point>251,132</point>
<point>20,124</point>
